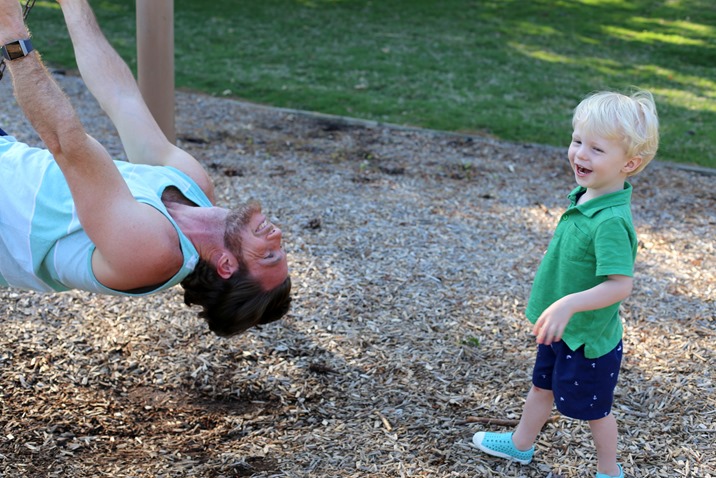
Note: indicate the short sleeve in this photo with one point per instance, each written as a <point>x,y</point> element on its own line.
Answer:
<point>614,248</point>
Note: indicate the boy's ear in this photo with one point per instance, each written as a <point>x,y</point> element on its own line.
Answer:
<point>631,165</point>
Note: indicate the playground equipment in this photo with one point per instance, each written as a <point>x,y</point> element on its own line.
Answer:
<point>155,60</point>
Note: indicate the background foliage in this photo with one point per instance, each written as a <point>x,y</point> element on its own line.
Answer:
<point>505,68</point>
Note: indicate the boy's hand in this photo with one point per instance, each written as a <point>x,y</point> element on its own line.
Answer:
<point>551,324</point>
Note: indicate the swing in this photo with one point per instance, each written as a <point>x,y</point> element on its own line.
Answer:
<point>25,11</point>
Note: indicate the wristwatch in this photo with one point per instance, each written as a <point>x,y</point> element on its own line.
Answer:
<point>16,49</point>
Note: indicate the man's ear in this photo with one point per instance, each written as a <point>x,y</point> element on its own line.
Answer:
<point>632,165</point>
<point>226,265</point>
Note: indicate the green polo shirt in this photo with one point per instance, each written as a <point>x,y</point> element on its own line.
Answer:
<point>592,241</point>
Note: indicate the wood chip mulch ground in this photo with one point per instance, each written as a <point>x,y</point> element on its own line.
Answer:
<point>412,254</point>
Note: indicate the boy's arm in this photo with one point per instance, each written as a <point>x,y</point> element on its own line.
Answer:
<point>551,324</point>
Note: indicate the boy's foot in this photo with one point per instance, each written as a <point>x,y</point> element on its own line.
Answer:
<point>501,445</point>
<point>604,475</point>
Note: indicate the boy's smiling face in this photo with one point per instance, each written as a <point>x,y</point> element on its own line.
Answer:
<point>599,164</point>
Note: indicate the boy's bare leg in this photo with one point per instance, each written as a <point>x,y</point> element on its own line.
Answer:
<point>605,435</point>
<point>535,414</point>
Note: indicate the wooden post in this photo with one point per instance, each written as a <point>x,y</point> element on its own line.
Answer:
<point>155,60</point>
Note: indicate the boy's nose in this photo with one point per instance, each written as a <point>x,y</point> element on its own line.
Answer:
<point>581,151</point>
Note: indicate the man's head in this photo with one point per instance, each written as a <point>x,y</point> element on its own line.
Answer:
<point>256,243</point>
<point>230,306</point>
<point>258,291</point>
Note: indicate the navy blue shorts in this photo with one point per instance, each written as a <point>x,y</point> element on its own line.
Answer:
<point>2,133</point>
<point>583,388</point>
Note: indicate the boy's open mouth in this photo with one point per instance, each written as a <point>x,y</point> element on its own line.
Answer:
<point>583,171</point>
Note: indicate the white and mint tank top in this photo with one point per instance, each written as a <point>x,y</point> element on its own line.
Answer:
<point>42,244</point>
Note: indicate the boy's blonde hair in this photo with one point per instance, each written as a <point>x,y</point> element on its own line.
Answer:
<point>629,119</point>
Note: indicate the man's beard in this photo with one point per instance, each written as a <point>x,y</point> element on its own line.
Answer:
<point>238,219</point>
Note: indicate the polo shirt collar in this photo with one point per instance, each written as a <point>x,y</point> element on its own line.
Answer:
<point>593,206</point>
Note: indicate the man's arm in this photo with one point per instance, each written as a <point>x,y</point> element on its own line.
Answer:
<point>111,82</point>
<point>136,245</point>
<point>551,324</point>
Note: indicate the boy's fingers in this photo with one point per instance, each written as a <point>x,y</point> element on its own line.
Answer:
<point>540,333</point>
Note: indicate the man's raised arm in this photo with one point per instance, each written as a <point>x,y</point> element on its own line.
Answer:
<point>87,166</point>
<point>111,82</point>
<point>136,244</point>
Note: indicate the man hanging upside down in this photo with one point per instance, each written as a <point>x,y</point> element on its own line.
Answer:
<point>72,218</point>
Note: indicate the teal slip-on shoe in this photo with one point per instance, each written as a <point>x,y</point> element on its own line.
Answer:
<point>620,475</point>
<point>500,445</point>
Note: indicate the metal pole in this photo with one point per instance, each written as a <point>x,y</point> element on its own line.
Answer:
<point>155,60</point>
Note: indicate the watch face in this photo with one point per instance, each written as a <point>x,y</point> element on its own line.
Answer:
<point>14,50</point>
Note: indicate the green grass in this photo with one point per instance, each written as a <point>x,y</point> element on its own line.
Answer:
<point>511,69</point>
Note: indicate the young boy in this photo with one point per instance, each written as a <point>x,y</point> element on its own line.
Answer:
<point>585,274</point>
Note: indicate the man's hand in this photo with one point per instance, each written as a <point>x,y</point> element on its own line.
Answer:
<point>12,24</point>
